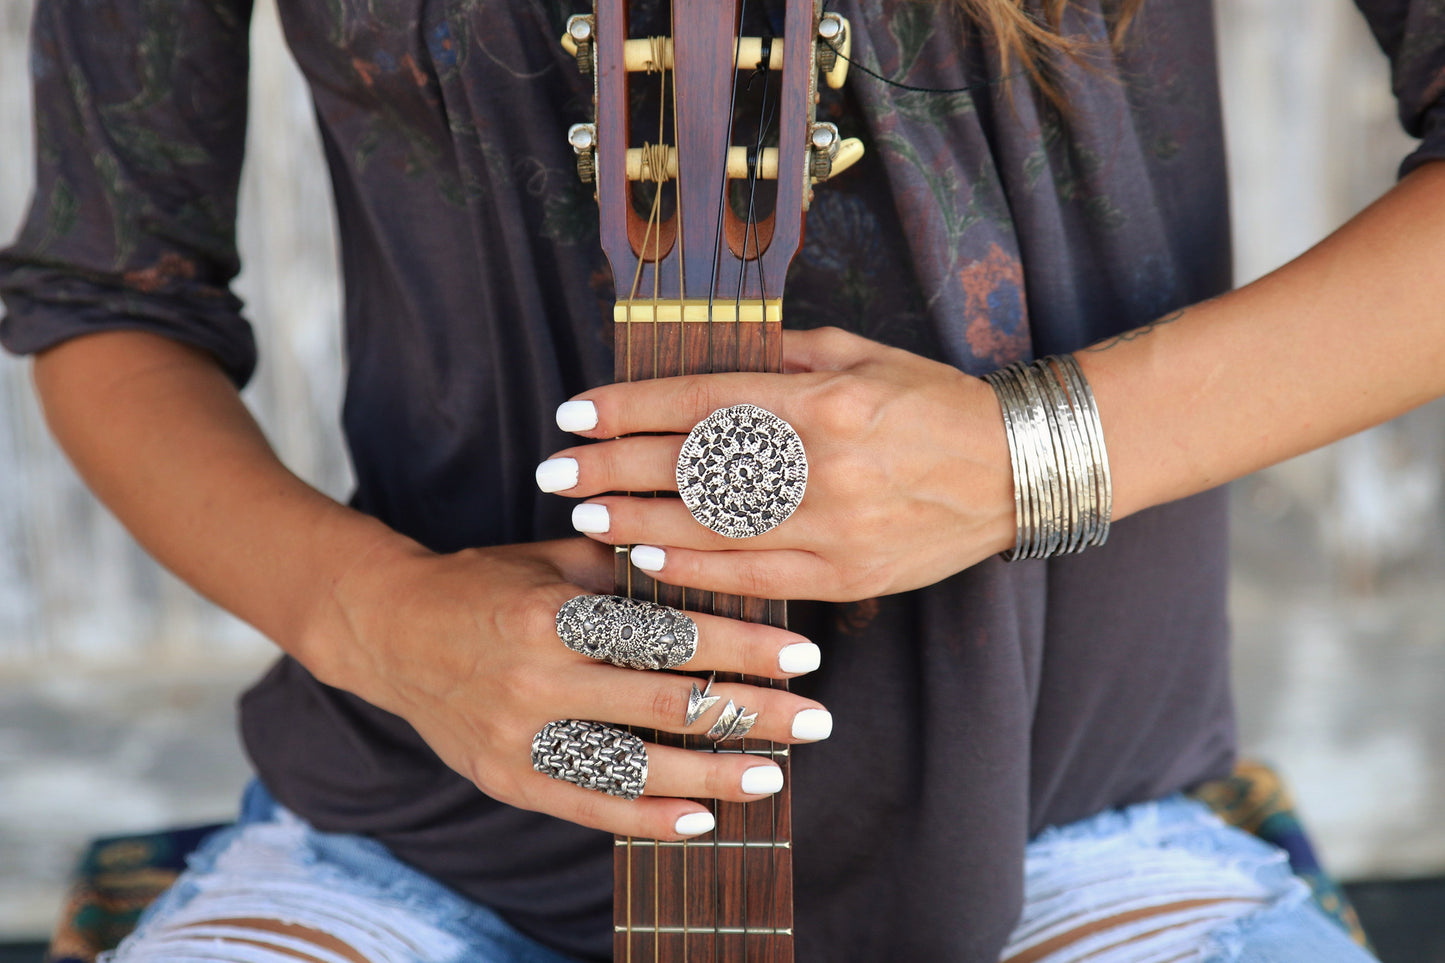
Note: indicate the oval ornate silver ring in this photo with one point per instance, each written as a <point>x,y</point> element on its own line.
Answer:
<point>631,633</point>
<point>742,471</point>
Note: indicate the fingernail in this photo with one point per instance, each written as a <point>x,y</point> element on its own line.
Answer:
<point>811,725</point>
<point>557,474</point>
<point>591,518</point>
<point>576,416</point>
<point>647,558</point>
<point>762,780</point>
<point>798,657</point>
<point>694,824</point>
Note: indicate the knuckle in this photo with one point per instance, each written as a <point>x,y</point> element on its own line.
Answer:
<point>834,338</point>
<point>587,810</point>
<point>756,580</point>
<point>842,404</point>
<point>668,706</point>
<point>695,397</point>
<point>720,782</point>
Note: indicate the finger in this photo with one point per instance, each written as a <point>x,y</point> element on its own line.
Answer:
<point>750,648</point>
<point>617,520</point>
<point>723,644</point>
<point>643,463</point>
<point>779,574</point>
<point>650,817</point>
<point>677,404</point>
<point>729,776</point>
<point>660,700</point>
<point>584,563</point>
<point>826,349</point>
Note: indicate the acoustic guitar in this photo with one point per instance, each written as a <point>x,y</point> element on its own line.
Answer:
<point>704,152</point>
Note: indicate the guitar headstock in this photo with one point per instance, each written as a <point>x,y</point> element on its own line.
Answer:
<point>706,145</point>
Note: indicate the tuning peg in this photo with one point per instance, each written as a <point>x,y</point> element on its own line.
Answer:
<point>583,138</point>
<point>830,154</point>
<point>577,41</point>
<point>835,46</point>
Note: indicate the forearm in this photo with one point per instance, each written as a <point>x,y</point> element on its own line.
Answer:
<point>162,437</point>
<point>1348,335</point>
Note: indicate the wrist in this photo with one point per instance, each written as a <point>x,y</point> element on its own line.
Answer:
<point>361,586</point>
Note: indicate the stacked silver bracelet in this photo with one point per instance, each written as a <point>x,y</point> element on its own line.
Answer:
<point>1063,497</point>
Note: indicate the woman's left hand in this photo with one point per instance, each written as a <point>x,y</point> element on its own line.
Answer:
<point>909,479</point>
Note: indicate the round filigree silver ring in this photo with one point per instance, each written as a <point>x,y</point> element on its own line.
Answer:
<point>742,471</point>
<point>631,633</point>
<point>592,755</point>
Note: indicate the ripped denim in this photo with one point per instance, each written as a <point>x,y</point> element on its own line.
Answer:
<point>273,865</point>
<point>1232,897</point>
<point>1239,902</point>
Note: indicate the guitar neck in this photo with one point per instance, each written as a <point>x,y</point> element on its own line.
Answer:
<point>727,897</point>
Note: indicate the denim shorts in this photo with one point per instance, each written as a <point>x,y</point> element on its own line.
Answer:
<point>1244,904</point>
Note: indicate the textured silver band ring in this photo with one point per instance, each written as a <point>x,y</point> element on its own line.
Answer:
<point>593,756</point>
<point>742,471</point>
<point>627,632</point>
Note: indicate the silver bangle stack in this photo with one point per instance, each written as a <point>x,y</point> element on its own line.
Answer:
<point>1063,497</point>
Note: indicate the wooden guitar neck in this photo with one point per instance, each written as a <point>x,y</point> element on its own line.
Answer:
<point>728,896</point>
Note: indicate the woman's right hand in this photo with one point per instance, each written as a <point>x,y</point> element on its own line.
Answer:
<point>465,648</point>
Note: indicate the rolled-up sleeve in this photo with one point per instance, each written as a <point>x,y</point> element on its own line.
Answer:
<point>1412,34</point>
<point>140,126</point>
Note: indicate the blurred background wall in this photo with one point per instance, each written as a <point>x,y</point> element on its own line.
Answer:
<point>117,684</point>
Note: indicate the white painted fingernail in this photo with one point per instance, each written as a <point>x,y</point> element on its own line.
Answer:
<point>557,474</point>
<point>647,558</point>
<point>694,824</point>
<point>811,725</point>
<point>799,657</point>
<point>576,416</point>
<point>590,518</point>
<point>762,780</point>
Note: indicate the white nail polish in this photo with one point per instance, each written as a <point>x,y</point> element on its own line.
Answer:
<point>576,416</point>
<point>591,519</point>
<point>647,558</point>
<point>811,725</point>
<point>800,657</point>
<point>557,474</point>
<point>762,780</point>
<point>694,824</point>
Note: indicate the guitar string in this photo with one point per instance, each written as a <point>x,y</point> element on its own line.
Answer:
<point>655,223</point>
<point>750,225</point>
<point>649,166</point>
<point>681,262</point>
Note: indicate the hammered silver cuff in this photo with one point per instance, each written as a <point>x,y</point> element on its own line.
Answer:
<point>592,755</point>
<point>630,633</point>
<point>742,471</point>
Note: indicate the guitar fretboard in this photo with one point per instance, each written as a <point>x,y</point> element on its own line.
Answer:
<point>727,896</point>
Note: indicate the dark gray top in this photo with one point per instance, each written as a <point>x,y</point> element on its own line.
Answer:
<point>982,227</point>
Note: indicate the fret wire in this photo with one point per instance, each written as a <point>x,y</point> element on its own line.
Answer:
<point>725,844</point>
<point>722,930</point>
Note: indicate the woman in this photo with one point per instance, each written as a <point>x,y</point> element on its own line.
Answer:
<point>978,702</point>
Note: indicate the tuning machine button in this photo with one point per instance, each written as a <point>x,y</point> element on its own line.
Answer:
<point>835,46</point>
<point>830,154</point>
<point>583,138</point>
<point>823,146</point>
<point>577,41</point>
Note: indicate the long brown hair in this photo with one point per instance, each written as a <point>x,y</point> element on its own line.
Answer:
<point>1029,36</point>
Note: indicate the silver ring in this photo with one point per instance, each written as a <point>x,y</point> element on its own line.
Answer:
<point>698,702</point>
<point>627,632</point>
<point>593,756</point>
<point>742,471</point>
<point>732,724</point>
